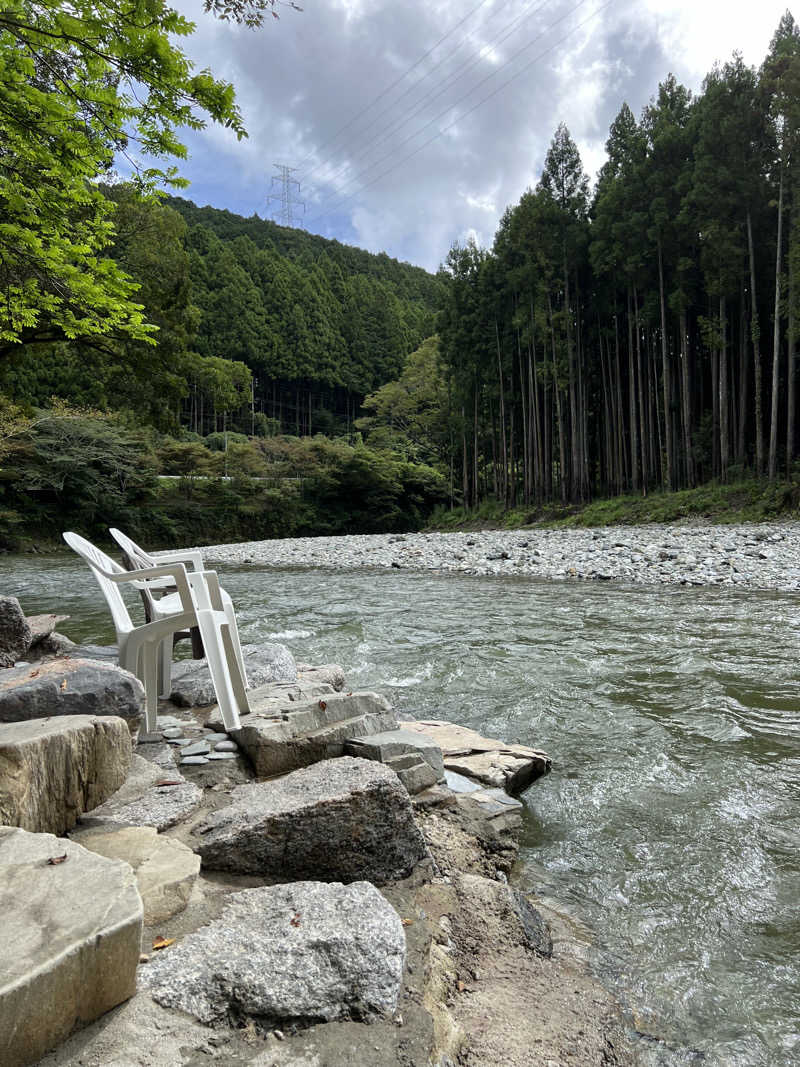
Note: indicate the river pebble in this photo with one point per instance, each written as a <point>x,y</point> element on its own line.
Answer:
<point>753,555</point>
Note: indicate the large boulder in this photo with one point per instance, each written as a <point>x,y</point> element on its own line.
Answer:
<point>340,820</point>
<point>165,869</point>
<point>191,681</point>
<point>300,953</point>
<point>70,687</point>
<point>15,633</point>
<point>72,924</point>
<point>53,770</point>
<point>282,735</point>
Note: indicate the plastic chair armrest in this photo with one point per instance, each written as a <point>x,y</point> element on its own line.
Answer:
<point>186,556</point>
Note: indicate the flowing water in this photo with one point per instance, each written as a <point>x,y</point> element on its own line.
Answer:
<point>669,827</point>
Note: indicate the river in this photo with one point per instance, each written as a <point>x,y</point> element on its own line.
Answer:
<point>669,827</point>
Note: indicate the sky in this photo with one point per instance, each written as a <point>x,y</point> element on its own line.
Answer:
<point>409,126</point>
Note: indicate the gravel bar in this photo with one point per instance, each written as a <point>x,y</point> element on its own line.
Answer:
<point>752,555</point>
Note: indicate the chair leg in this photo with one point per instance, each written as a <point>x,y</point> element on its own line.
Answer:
<point>233,656</point>
<point>216,658</point>
<point>165,669</point>
<point>150,680</point>
<point>230,615</point>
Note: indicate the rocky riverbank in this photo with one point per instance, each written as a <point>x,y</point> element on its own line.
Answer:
<point>325,886</point>
<point>754,556</point>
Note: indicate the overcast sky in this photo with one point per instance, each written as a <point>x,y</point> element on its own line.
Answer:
<point>414,124</point>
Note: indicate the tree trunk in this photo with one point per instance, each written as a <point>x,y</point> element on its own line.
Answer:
<point>685,400</point>
<point>632,400</point>
<point>755,334</point>
<point>776,343</point>
<point>791,354</point>
<point>665,373</point>
<point>724,399</point>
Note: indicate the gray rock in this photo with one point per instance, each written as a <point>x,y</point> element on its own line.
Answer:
<point>194,761</point>
<point>196,748</point>
<point>15,633</point>
<point>216,754</point>
<point>341,820</point>
<point>165,869</point>
<point>153,795</point>
<point>215,736</point>
<point>54,770</point>
<point>300,953</point>
<point>106,653</point>
<point>70,944</point>
<point>172,732</point>
<point>191,682</point>
<point>70,687</point>
<point>299,733</point>
<point>414,773</point>
<point>537,932</point>
<point>387,745</point>
<point>42,626</point>
<point>330,673</point>
<point>459,783</point>
<point>225,746</point>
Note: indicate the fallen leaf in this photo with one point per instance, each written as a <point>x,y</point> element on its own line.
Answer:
<point>408,922</point>
<point>163,942</point>
<point>55,860</point>
<point>144,958</point>
<point>295,919</point>
<point>323,704</point>
<point>35,674</point>
<point>169,781</point>
<point>63,685</point>
<point>461,986</point>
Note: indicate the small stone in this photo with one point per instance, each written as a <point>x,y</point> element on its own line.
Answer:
<point>226,746</point>
<point>172,732</point>
<point>179,741</point>
<point>215,736</point>
<point>194,761</point>
<point>197,748</point>
<point>222,755</point>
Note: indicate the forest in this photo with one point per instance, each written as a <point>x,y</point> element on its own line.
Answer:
<point>642,336</point>
<point>181,364</point>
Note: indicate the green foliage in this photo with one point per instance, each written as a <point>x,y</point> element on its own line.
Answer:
<point>79,82</point>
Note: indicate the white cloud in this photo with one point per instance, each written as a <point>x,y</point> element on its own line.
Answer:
<point>312,88</point>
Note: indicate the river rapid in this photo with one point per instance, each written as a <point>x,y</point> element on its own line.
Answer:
<point>668,830</point>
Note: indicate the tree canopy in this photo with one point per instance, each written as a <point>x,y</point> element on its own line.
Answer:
<point>84,83</point>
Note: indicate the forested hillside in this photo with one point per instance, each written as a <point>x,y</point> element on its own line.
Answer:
<point>254,320</point>
<point>645,335</point>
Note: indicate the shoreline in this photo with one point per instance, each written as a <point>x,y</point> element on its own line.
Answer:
<point>748,556</point>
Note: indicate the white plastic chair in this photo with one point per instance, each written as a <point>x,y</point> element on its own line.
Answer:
<point>161,601</point>
<point>193,604</point>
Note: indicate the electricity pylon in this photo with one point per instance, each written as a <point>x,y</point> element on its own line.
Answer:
<point>285,214</point>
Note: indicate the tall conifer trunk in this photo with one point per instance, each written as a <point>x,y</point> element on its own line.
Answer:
<point>665,372</point>
<point>776,342</point>
<point>755,334</point>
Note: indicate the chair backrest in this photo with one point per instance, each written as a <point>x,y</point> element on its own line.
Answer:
<point>138,557</point>
<point>102,566</point>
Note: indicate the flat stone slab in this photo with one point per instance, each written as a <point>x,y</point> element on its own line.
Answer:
<point>494,763</point>
<point>191,681</point>
<point>153,795</point>
<point>298,733</point>
<point>43,625</point>
<point>70,687</point>
<point>341,820</point>
<point>165,869</point>
<point>391,743</point>
<point>70,945</point>
<point>299,953</point>
<point>54,770</point>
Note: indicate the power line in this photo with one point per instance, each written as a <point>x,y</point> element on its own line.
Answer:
<point>469,111</point>
<point>447,82</point>
<point>397,81</point>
